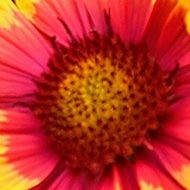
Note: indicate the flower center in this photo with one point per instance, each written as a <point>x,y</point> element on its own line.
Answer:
<point>99,100</point>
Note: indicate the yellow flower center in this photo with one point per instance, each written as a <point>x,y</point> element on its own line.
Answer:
<point>99,100</point>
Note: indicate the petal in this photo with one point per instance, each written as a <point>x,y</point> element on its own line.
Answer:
<point>117,180</point>
<point>78,183</point>
<point>23,149</point>
<point>173,43</point>
<point>151,175</point>
<point>175,144</point>
<point>59,178</point>
<point>27,7</point>
<point>127,177</point>
<point>44,16</point>
<point>64,181</point>
<point>79,17</point>
<point>177,165</point>
<point>187,22</point>
<point>7,19</point>
<point>106,183</point>
<point>11,85</point>
<point>16,87</point>
<point>129,17</point>
<point>18,41</point>
<point>103,181</point>
<point>185,60</point>
<point>160,14</point>
<point>172,145</point>
<point>166,33</point>
<point>181,87</point>
<point>177,124</point>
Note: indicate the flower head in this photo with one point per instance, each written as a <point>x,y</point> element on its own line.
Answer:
<point>94,95</point>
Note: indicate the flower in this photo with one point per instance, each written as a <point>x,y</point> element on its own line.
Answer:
<point>94,95</point>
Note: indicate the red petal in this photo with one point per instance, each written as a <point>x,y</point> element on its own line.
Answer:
<point>81,17</point>
<point>18,42</point>
<point>127,177</point>
<point>178,124</point>
<point>26,148</point>
<point>176,164</point>
<point>129,17</point>
<point>166,33</point>
<point>152,175</point>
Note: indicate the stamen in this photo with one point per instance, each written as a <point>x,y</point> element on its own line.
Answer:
<point>99,100</point>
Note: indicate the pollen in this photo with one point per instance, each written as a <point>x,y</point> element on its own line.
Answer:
<point>99,100</point>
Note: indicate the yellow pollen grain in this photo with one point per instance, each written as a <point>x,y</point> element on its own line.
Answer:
<point>27,7</point>
<point>7,9</point>
<point>146,186</point>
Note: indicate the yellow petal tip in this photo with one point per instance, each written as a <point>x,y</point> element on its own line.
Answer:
<point>27,7</point>
<point>146,186</point>
<point>187,21</point>
<point>7,18</point>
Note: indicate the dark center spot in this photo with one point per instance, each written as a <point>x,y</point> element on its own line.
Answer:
<point>105,97</point>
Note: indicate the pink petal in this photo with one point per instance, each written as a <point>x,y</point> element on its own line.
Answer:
<point>181,86</point>
<point>80,17</point>
<point>159,16</point>
<point>129,18</point>
<point>185,60</point>
<point>151,174</point>
<point>116,179</point>
<point>59,178</point>
<point>11,85</point>
<point>64,181</point>
<point>18,121</point>
<point>179,146</point>
<point>177,49</point>
<point>166,34</point>
<point>15,86</point>
<point>78,183</point>
<point>177,126</point>
<point>128,177</point>
<point>17,47</point>
<point>103,181</point>
<point>46,19</point>
<point>106,183</point>
<point>26,146</point>
<point>173,161</point>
